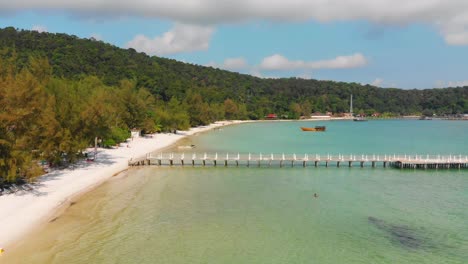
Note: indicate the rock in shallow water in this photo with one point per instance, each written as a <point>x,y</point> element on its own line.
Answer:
<point>402,235</point>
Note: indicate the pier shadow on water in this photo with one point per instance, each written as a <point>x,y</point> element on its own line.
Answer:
<point>401,235</point>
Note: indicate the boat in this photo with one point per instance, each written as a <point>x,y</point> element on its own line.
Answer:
<point>360,119</point>
<point>186,147</point>
<point>425,118</point>
<point>317,128</point>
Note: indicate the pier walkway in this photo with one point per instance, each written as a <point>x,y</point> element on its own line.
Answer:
<point>304,160</point>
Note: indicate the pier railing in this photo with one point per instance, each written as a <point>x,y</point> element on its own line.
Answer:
<point>283,159</point>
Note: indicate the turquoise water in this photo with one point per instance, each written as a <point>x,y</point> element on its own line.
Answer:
<point>270,215</point>
<point>372,137</point>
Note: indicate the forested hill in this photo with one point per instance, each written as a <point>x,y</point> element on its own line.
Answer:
<point>74,58</point>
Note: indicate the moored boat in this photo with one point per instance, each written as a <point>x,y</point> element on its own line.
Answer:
<point>186,147</point>
<point>316,128</point>
<point>360,119</point>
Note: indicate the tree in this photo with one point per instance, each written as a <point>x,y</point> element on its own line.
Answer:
<point>295,111</point>
<point>230,109</point>
<point>24,107</point>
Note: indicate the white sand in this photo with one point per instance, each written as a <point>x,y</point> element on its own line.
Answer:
<point>22,211</point>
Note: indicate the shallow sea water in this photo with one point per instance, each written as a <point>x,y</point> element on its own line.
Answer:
<point>270,215</point>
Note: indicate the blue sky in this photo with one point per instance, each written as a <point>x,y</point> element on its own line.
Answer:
<point>388,44</point>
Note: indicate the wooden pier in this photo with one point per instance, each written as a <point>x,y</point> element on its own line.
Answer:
<point>304,160</point>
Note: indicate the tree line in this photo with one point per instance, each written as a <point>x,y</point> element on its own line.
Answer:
<point>72,58</point>
<point>58,93</point>
<point>44,118</point>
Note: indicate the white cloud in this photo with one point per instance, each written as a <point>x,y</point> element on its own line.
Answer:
<point>442,84</point>
<point>279,62</point>
<point>96,36</point>
<point>457,38</point>
<point>232,64</point>
<point>235,63</point>
<point>457,83</point>
<point>449,16</point>
<point>39,28</point>
<point>256,72</point>
<point>377,82</point>
<point>181,38</point>
<point>439,84</point>
<point>305,76</point>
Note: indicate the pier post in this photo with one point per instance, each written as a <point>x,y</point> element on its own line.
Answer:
<point>362,164</point>
<point>373,164</point>
<point>384,164</point>
<point>350,163</point>
<point>316,163</point>
<point>338,164</point>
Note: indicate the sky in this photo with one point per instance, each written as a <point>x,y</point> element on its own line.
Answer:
<point>387,43</point>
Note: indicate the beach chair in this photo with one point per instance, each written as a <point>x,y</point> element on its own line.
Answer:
<point>6,190</point>
<point>15,188</point>
<point>27,187</point>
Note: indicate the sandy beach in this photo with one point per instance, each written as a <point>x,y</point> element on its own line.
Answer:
<point>22,211</point>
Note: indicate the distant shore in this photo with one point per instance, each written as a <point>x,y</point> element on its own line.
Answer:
<point>23,211</point>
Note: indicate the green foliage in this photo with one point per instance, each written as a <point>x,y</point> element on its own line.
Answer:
<point>58,93</point>
<point>119,134</point>
<point>109,142</point>
<point>24,111</point>
<point>74,58</point>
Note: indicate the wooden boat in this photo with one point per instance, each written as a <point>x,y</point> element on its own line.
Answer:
<point>360,119</point>
<point>317,128</point>
<point>186,147</point>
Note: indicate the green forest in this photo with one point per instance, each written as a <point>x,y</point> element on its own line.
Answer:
<point>58,93</point>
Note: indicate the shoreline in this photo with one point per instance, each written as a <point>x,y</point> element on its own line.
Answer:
<point>57,190</point>
<point>23,211</point>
